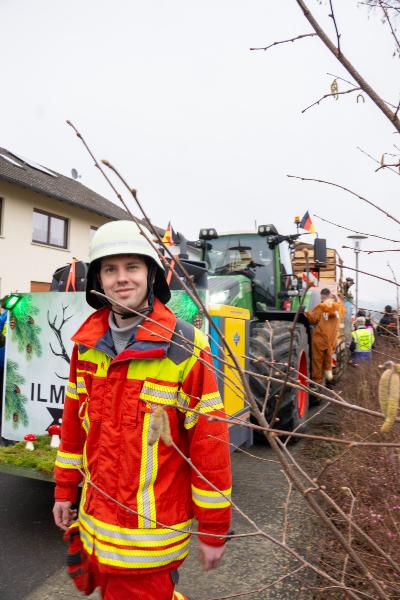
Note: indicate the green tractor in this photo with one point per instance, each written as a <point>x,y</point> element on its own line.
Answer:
<point>254,271</point>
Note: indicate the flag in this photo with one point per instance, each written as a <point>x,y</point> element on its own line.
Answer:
<point>169,236</point>
<point>311,278</point>
<point>307,224</point>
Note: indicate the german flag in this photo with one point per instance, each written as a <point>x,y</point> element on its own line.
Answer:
<point>169,236</point>
<point>307,224</point>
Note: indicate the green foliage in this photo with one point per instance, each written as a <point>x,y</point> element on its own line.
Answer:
<point>15,399</point>
<point>41,459</point>
<point>183,306</point>
<point>24,329</point>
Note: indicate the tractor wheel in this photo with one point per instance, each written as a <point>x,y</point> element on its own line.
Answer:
<point>271,341</point>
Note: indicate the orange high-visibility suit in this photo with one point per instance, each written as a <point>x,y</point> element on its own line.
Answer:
<point>326,320</point>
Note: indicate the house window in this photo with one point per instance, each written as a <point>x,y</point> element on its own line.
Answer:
<point>49,229</point>
<point>92,231</point>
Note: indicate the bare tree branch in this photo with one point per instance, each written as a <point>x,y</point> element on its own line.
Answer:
<point>342,187</point>
<point>335,95</point>
<point>298,37</point>
<point>376,160</point>
<point>378,101</point>
<point>380,237</point>
<point>332,16</point>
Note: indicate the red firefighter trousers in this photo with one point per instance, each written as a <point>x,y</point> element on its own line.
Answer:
<point>152,586</point>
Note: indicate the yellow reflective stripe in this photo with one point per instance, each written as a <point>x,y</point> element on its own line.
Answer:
<point>211,498</point>
<point>207,404</point>
<point>159,393</point>
<point>183,399</point>
<point>66,460</point>
<point>80,385</point>
<point>157,399</point>
<point>133,558</point>
<point>163,389</point>
<point>71,390</point>
<point>121,536</point>
<point>126,530</point>
<point>148,472</point>
<point>210,396</point>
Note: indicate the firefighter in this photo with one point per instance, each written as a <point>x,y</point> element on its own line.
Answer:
<point>133,378</point>
<point>326,320</point>
<point>362,342</point>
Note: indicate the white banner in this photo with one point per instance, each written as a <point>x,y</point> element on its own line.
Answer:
<point>38,347</point>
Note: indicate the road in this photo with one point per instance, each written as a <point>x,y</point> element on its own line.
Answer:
<point>32,550</point>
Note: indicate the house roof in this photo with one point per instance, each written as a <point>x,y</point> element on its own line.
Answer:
<point>29,174</point>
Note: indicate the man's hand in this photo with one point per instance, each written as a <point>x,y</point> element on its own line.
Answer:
<point>210,556</point>
<point>63,515</point>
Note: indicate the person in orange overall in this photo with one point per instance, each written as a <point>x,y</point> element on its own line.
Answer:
<point>138,432</point>
<point>326,320</point>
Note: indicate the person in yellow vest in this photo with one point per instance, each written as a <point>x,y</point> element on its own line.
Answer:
<point>362,342</point>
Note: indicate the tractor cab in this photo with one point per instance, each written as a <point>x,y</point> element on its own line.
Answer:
<point>252,270</point>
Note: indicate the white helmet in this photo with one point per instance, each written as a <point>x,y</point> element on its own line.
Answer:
<point>124,237</point>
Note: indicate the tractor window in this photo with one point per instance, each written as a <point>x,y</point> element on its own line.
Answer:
<point>286,266</point>
<point>246,254</point>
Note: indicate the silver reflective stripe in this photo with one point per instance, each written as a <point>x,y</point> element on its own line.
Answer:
<point>69,461</point>
<point>191,418</point>
<point>88,541</point>
<point>158,393</point>
<point>211,499</point>
<point>183,401</point>
<point>137,558</point>
<point>212,402</point>
<point>131,537</point>
<point>85,424</point>
<point>148,477</point>
<point>71,389</point>
<point>81,385</point>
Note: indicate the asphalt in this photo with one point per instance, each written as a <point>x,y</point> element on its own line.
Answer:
<point>32,551</point>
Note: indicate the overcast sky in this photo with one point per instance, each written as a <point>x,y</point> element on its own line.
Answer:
<point>206,130</point>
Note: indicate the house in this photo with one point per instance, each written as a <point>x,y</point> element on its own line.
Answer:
<point>45,220</point>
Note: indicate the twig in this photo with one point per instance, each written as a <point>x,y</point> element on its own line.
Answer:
<point>298,37</point>
<point>263,588</point>
<point>286,509</point>
<point>335,94</point>
<point>370,274</point>
<point>349,536</point>
<point>355,231</point>
<point>373,251</point>
<point>377,161</point>
<point>342,187</point>
<point>332,16</point>
<point>378,101</point>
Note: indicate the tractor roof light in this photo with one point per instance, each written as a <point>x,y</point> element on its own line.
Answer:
<point>208,234</point>
<point>267,230</point>
<point>9,302</point>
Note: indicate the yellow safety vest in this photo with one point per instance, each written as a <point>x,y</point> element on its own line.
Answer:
<point>364,339</point>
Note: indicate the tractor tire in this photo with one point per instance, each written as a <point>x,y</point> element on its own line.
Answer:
<point>275,336</point>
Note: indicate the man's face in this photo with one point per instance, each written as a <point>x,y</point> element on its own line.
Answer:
<point>124,279</point>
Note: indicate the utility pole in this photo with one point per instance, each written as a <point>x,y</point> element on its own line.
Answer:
<point>357,239</point>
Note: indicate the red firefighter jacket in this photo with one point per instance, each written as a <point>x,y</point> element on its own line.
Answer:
<point>108,412</point>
